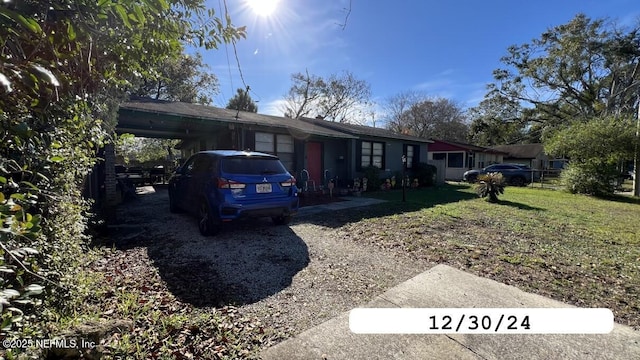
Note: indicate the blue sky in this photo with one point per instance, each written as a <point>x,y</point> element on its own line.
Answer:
<point>441,48</point>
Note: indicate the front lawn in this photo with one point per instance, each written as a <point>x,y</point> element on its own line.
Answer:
<point>577,249</point>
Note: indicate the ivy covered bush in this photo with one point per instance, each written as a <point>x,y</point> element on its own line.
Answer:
<point>64,68</point>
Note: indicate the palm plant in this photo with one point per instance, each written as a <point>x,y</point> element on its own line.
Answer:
<point>490,185</point>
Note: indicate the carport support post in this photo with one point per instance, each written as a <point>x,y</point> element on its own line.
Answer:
<point>110,182</point>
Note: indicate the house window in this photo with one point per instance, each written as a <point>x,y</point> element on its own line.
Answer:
<point>411,152</point>
<point>285,143</point>
<point>372,154</point>
<point>277,144</point>
<point>439,156</point>
<point>455,160</point>
<point>264,142</point>
<point>284,150</point>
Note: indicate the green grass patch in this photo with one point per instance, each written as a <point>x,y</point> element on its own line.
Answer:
<point>578,249</point>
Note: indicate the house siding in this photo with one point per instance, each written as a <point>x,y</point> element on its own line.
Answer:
<point>334,164</point>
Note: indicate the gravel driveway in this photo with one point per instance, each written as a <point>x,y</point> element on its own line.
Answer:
<point>290,277</point>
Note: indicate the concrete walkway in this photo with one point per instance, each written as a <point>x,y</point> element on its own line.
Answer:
<point>446,287</point>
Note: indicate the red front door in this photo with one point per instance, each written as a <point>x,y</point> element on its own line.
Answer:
<point>314,162</point>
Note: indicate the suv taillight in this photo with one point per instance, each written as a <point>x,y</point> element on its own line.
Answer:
<point>289,183</point>
<point>230,184</point>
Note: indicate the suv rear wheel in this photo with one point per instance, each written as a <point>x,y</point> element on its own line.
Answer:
<point>207,222</point>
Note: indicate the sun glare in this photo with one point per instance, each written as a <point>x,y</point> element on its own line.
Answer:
<point>263,7</point>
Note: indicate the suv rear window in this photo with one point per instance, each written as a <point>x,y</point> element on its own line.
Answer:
<point>252,166</point>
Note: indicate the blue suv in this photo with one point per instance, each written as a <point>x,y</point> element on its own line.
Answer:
<point>225,185</point>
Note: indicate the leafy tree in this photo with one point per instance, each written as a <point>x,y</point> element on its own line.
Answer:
<point>580,70</point>
<point>242,101</point>
<point>436,118</point>
<point>146,150</point>
<point>595,148</point>
<point>64,68</point>
<point>184,78</point>
<point>336,98</point>
<point>497,121</point>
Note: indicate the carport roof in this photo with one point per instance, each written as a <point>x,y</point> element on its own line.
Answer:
<point>167,119</point>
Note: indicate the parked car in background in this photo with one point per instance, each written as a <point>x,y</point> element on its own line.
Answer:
<point>514,174</point>
<point>225,185</point>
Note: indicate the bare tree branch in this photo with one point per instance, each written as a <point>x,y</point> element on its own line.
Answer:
<point>346,18</point>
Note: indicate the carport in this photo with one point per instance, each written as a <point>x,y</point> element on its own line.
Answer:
<point>200,127</point>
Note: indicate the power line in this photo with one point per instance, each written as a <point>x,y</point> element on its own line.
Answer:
<point>235,50</point>
<point>226,48</point>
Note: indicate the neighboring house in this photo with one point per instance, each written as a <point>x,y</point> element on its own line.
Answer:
<point>460,157</point>
<point>532,155</point>
<point>324,150</point>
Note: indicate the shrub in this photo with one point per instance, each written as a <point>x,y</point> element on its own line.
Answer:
<point>595,148</point>
<point>594,178</point>
<point>372,173</point>
<point>490,186</point>
<point>58,103</point>
<point>425,173</point>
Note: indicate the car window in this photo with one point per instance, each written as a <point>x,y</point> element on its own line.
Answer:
<point>252,166</point>
<point>187,168</point>
<point>201,164</point>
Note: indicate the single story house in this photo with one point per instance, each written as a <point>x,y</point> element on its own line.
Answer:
<point>456,157</point>
<point>312,149</point>
<point>532,155</point>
